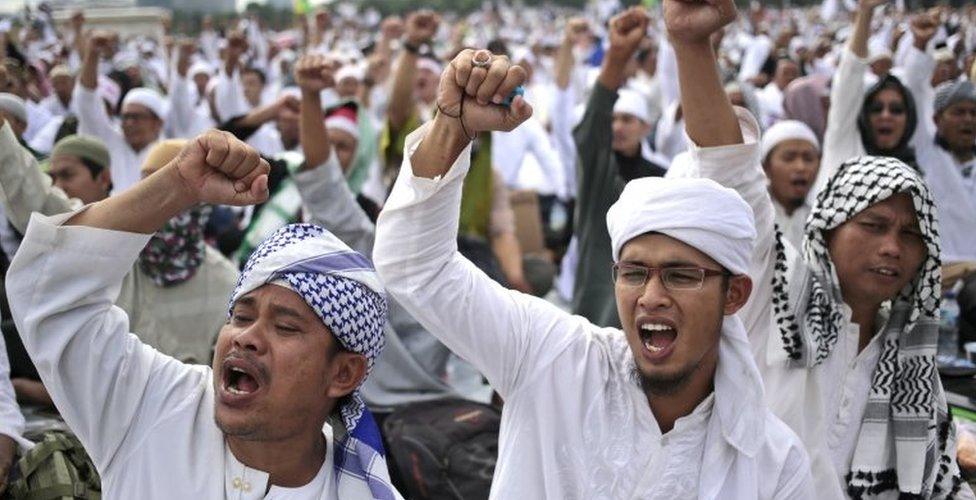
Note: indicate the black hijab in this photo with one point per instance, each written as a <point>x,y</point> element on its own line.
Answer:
<point>902,151</point>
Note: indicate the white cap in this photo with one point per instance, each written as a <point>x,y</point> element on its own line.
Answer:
<point>784,131</point>
<point>148,98</point>
<point>633,103</point>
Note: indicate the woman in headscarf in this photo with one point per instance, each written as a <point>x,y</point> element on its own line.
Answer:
<point>886,116</point>
<point>807,99</point>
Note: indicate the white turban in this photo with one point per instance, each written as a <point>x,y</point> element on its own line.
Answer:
<point>634,103</point>
<point>784,131</point>
<point>200,68</point>
<point>698,212</point>
<point>148,98</point>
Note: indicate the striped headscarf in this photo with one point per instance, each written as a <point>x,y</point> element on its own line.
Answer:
<point>907,441</point>
<point>341,286</point>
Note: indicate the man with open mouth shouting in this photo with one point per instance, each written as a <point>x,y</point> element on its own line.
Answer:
<point>278,415</point>
<point>670,407</point>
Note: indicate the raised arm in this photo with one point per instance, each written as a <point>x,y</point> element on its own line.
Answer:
<point>499,331</point>
<point>182,107</point>
<point>709,118</point>
<point>313,74</point>
<point>576,29</point>
<point>25,188</point>
<point>109,387</point>
<point>93,119</point>
<point>421,27</point>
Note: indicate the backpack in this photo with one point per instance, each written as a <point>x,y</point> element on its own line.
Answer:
<point>444,449</point>
<point>56,468</point>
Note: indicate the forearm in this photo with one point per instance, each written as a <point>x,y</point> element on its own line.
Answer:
<point>612,71</point>
<point>32,392</point>
<point>402,105</point>
<point>312,133</point>
<point>259,116</point>
<point>88,76</point>
<point>25,188</point>
<point>564,64</point>
<point>709,117</point>
<point>440,148</point>
<point>862,30</point>
<point>509,254</point>
<point>143,208</point>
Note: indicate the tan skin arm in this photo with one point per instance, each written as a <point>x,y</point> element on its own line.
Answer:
<point>576,29</point>
<point>421,27</point>
<point>314,73</point>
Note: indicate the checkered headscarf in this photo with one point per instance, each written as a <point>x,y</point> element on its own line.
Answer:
<point>341,286</point>
<point>906,441</point>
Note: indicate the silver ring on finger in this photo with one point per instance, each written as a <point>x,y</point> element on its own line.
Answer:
<point>482,59</point>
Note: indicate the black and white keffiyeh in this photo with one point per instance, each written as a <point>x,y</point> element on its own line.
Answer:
<point>906,442</point>
<point>342,287</point>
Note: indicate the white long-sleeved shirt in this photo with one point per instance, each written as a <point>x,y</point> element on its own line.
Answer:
<point>824,405</point>
<point>93,120</point>
<point>509,151</point>
<point>146,420</point>
<point>11,420</point>
<point>575,424</point>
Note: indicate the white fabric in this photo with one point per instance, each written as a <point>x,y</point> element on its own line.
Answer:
<point>344,124</point>
<point>784,131</point>
<point>322,485</point>
<point>793,226</point>
<point>143,417</point>
<point>823,405</point>
<point>11,420</point>
<point>559,374</point>
<point>770,100</point>
<point>953,186</point>
<point>150,99</point>
<point>93,120</point>
<point>55,107</point>
<point>634,103</point>
<point>699,212</point>
<point>14,106</point>
<point>511,153</point>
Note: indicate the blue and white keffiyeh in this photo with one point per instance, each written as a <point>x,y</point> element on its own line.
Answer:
<point>341,286</point>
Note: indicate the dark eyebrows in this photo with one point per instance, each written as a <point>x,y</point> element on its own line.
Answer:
<point>280,310</point>
<point>667,263</point>
<point>246,301</point>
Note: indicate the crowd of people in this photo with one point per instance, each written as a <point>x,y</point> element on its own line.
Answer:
<point>685,252</point>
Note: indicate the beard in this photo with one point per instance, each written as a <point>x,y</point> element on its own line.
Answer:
<point>664,384</point>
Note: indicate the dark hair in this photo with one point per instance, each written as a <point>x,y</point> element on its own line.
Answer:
<point>256,71</point>
<point>902,151</point>
<point>93,167</point>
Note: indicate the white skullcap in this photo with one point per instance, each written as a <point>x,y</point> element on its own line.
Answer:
<point>697,212</point>
<point>13,105</point>
<point>634,103</point>
<point>200,67</point>
<point>784,131</point>
<point>343,118</point>
<point>148,98</point>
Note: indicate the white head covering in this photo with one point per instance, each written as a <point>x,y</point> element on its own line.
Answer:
<point>200,67</point>
<point>148,98</point>
<point>13,105</point>
<point>429,65</point>
<point>633,103</point>
<point>699,212</point>
<point>350,71</point>
<point>784,131</point>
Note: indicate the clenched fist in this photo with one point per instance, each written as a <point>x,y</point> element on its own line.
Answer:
<point>421,27</point>
<point>218,168</point>
<point>694,21</point>
<point>483,88</point>
<point>314,73</point>
<point>627,30</point>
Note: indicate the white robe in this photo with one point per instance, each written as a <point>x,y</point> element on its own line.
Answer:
<point>575,424</point>
<point>146,420</point>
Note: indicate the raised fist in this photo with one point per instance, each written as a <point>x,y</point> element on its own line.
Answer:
<point>421,27</point>
<point>694,21</point>
<point>98,42</point>
<point>483,80</point>
<point>77,20</point>
<point>314,72</point>
<point>869,5</point>
<point>323,20</point>
<point>236,45</point>
<point>627,30</point>
<point>577,29</point>
<point>392,28</point>
<point>218,168</point>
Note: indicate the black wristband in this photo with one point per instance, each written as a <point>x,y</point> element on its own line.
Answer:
<point>411,48</point>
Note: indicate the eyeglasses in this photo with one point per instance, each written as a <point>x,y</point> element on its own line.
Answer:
<point>893,108</point>
<point>673,278</point>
